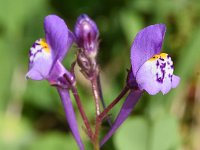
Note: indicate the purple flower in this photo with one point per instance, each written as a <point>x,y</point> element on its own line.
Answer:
<point>45,57</point>
<point>87,34</point>
<point>45,53</point>
<point>152,71</point>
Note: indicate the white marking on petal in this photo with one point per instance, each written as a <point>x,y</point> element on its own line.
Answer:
<point>39,49</point>
<point>156,74</point>
<point>162,67</point>
<point>40,60</point>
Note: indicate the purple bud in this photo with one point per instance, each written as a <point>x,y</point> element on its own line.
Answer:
<point>87,34</point>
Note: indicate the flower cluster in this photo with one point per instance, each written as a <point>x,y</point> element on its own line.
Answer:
<point>151,70</point>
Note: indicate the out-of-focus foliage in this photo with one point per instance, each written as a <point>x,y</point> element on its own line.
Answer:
<point>31,115</point>
<point>161,134</point>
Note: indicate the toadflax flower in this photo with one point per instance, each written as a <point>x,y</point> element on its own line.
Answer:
<point>152,71</point>
<point>45,57</point>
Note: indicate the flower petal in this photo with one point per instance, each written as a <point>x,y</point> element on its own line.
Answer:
<point>57,71</point>
<point>57,36</point>
<point>34,75</point>
<point>40,61</point>
<point>156,75</point>
<point>175,81</point>
<point>125,111</point>
<point>70,115</point>
<point>56,76</point>
<point>147,43</point>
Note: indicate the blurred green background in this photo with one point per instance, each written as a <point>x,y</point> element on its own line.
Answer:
<point>31,115</point>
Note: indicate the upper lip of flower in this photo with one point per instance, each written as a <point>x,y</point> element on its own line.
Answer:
<point>153,71</point>
<point>58,36</point>
<point>146,44</point>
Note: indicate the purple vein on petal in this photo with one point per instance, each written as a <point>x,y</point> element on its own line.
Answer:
<point>70,115</point>
<point>126,109</point>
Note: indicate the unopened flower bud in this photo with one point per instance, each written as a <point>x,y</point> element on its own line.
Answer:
<point>87,34</point>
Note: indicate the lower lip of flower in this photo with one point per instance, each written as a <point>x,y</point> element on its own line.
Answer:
<point>162,67</point>
<point>38,49</point>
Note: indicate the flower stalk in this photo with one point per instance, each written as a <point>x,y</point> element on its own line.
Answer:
<point>82,112</point>
<point>113,103</point>
<point>97,108</point>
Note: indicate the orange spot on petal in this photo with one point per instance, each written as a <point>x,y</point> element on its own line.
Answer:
<point>44,45</point>
<point>157,56</point>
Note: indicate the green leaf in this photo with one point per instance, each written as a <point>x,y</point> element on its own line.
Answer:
<point>132,135</point>
<point>165,134</point>
<point>53,141</point>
